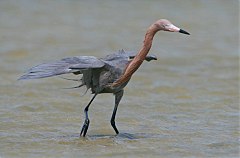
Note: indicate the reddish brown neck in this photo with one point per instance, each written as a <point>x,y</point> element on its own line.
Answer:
<point>139,58</point>
<point>147,43</point>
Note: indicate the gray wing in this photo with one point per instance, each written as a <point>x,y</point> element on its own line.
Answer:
<point>66,65</point>
<point>132,54</point>
<point>127,55</point>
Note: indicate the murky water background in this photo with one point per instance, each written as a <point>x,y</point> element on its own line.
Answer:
<point>184,104</point>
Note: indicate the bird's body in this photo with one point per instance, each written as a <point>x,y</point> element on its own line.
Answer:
<point>97,73</point>
<point>104,75</point>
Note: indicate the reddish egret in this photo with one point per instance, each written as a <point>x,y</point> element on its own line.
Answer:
<point>104,75</point>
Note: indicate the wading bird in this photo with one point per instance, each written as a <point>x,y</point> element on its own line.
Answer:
<point>104,75</point>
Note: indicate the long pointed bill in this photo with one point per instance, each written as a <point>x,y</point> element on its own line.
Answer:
<point>184,32</point>
<point>173,28</point>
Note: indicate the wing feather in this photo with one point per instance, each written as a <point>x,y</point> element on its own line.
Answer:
<point>63,66</point>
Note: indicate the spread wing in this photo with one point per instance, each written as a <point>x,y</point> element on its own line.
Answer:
<point>63,66</point>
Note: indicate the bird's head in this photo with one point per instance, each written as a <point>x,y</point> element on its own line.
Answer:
<point>166,25</point>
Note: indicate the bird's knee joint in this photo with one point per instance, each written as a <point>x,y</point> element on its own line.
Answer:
<point>112,122</point>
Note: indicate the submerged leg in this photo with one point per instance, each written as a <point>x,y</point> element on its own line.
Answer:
<point>118,97</point>
<point>86,122</point>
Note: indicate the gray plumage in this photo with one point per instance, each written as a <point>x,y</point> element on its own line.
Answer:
<point>97,74</point>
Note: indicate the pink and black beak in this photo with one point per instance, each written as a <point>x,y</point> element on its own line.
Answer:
<point>173,28</point>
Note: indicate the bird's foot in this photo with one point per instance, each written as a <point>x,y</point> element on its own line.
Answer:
<point>114,127</point>
<point>84,128</point>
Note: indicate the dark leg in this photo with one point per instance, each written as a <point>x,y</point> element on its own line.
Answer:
<point>118,97</point>
<point>86,122</point>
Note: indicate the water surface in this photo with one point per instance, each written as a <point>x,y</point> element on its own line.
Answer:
<point>185,104</point>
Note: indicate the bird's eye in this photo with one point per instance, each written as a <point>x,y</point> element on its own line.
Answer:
<point>166,25</point>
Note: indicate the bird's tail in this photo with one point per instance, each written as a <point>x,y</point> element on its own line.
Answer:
<point>48,70</point>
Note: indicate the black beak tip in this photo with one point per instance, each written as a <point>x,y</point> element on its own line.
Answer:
<point>184,32</point>
<point>154,58</point>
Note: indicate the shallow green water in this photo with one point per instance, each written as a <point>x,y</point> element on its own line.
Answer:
<point>185,104</point>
